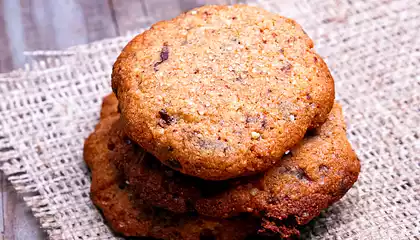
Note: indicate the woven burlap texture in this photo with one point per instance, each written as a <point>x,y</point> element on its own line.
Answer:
<point>373,50</point>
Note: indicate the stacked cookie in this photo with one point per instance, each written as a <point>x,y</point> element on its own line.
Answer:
<point>222,125</point>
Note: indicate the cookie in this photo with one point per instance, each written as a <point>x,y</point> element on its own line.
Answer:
<point>222,91</point>
<point>109,106</point>
<point>128,216</point>
<point>311,176</point>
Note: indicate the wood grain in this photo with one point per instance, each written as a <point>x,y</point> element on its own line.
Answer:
<point>98,19</point>
<point>68,23</point>
<point>19,222</point>
<point>163,9</point>
<point>6,62</point>
<point>130,15</point>
<point>38,28</point>
<point>14,31</point>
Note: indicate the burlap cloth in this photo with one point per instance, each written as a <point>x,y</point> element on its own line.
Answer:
<point>373,50</point>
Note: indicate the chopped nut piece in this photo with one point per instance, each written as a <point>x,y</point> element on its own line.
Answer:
<point>255,135</point>
<point>253,191</point>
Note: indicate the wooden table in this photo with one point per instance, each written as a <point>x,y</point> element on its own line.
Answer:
<point>29,25</point>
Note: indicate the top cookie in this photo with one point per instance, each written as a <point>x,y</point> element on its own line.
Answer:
<point>222,91</point>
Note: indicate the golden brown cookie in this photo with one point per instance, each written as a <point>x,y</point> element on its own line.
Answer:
<point>311,176</point>
<point>222,91</point>
<point>128,216</point>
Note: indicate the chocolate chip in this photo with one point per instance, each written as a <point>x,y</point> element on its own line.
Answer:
<point>225,150</point>
<point>250,119</point>
<point>315,59</point>
<point>196,71</point>
<point>302,175</point>
<point>173,163</point>
<point>155,66</point>
<point>164,55</point>
<point>207,13</point>
<point>168,119</point>
<point>264,123</point>
<point>323,168</point>
<point>127,140</point>
<point>207,234</point>
<point>286,68</point>
<point>308,97</point>
<point>111,146</point>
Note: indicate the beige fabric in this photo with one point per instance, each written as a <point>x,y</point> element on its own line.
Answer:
<point>373,50</point>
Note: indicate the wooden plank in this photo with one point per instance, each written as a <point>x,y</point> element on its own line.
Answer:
<point>19,222</point>
<point>163,9</point>
<point>6,62</point>
<point>98,19</point>
<point>134,14</point>
<point>130,15</point>
<point>186,5</point>
<point>39,32</point>
<point>79,21</point>
<point>9,210</point>
<point>190,4</point>
<point>5,55</point>
<point>68,23</point>
<point>14,31</point>
<point>2,190</point>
